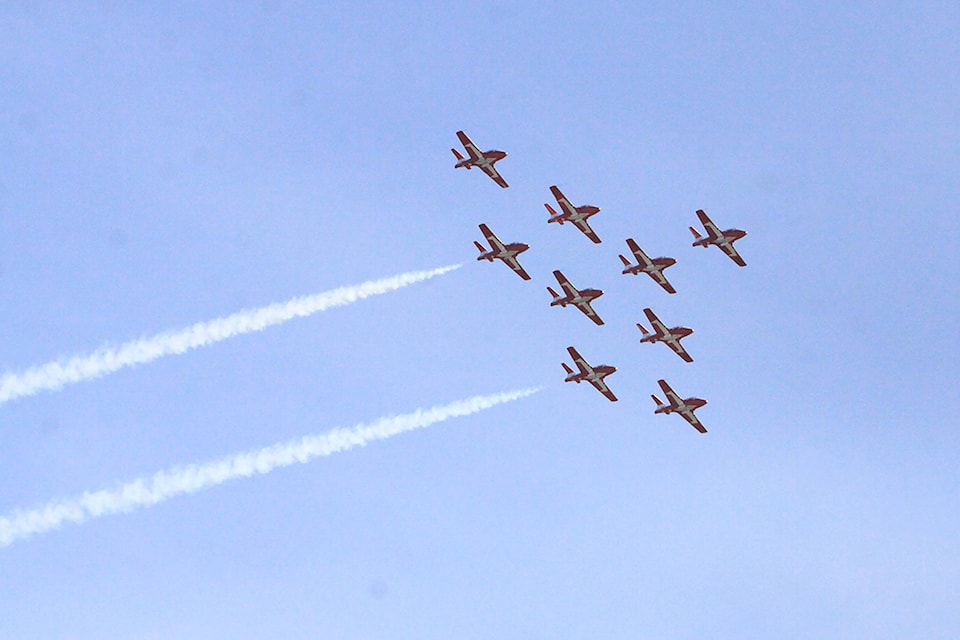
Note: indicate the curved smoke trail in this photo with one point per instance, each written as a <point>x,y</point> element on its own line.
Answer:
<point>148,491</point>
<point>54,375</point>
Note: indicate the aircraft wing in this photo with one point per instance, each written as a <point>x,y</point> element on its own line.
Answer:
<point>568,288</point>
<point>731,252</point>
<point>712,230</point>
<point>492,238</point>
<point>471,148</point>
<point>693,420</point>
<point>491,171</point>
<point>584,226</point>
<point>658,327</point>
<point>679,350</point>
<point>561,199</point>
<point>661,280</point>
<point>638,253</point>
<point>589,312</point>
<point>602,387</point>
<point>514,264</point>
<point>672,397</point>
<point>578,360</point>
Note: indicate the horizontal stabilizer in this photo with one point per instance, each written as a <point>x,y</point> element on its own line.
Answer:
<point>657,400</point>
<point>640,326</point>
<point>626,262</point>
<point>457,153</point>
<point>695,233</point>
<point>479,246</point>
<point>552,292</point>
<point>566,368</point>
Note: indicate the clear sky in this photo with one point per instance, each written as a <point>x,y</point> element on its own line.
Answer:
<point>168,163</point>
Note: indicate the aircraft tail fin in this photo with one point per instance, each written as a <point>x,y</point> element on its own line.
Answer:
<point>553,213</point>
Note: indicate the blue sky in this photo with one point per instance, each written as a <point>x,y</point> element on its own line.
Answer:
<point>170,164</point>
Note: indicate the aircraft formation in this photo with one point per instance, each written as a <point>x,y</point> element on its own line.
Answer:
<point>582,298</point>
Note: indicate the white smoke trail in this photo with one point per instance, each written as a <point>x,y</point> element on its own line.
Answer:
<point>145,492</point>
<point>55,375</point>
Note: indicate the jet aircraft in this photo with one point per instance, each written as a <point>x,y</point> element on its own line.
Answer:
<point>484,160</point>
<point>723,239</point>
<point>591,374</point>
<point>685,407</point>
<point>670,337</point>
<point>652,267</point>
<point>506,252</point>
<point>580,298</point>
<point>575,215</point>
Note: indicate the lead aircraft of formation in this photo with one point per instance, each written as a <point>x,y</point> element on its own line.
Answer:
<point>589,373</point>
<point>670,337</point>
<point>723,239</point>
<point>506,252</point>
<point>580,298</point>
<point>653,267</point>
<point>684,406</point>
<point>577,216</point>
<point>483,160</point>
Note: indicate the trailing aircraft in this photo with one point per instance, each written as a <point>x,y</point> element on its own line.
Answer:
<point>506,252</point>
<point>723,239</point>
<point>580,298</point>
<point>483,160</point>
<point>653,267</point>
<point>685,407</point>
<point>670,337</point>
<point>588,373</point>
<point>574,215</point>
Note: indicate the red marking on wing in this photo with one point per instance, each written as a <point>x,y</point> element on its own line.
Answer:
<point>495,175</point>
<point>680,351</point>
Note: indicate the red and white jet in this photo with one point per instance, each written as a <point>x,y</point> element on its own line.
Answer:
<point>484,160</point>
<point>593,375</point>
<point>670,337</point>
<point>685,407</point>
<point>723,239</point>
<point>580,298</point>
<point>575,215</point>
<point>506,252</point>
<point>653,267</point>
